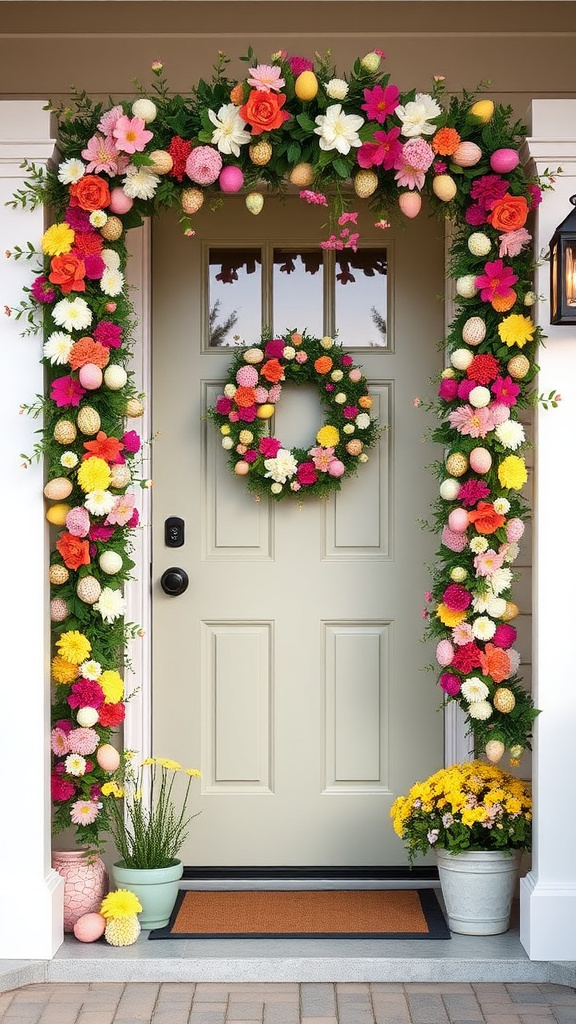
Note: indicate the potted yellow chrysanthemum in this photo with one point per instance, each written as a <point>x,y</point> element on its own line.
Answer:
<point>477,819</point>
<point>149,825</point>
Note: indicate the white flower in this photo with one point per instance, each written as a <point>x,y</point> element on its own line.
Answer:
<point>110,604</point>
<point>327,342</point>
<point>483,628</point>
<point>57,348</point>
<point>75,764</point>
<point>510,434</point>
<point>71,171</point>
<point>91,669</point>
<point>502,506</point>
<point>362,421</point>
<point>416,114</point>
<point>227,443</point>
<point>501,580</point>
<point>111,282</point>
<point>69,460</point>
<point>514,660</point>
<point>72,314</point>
<point>530,298</point>
<point>289,352</point>
<point>275,488</point>
<point>340,398</point>
<point>480,710</point>
<point>337,89</point>
<point>230,130</point>
<point>145,109</point>
<point>479,397</point>
<point>474,689</point>
<point>496,607</point>
<point>98,218</point>
<point>512,552</point>
<point>338,130</point>
<point>111,258</point>
<point>100,503</point>
<point>363,457</point>
<point>229,390</point>
<point>140,183</point>
<point>336,375</point>
<point>481,602</point>
<point>282,468</point>
<point>348,428</point>
<point>478,545</point>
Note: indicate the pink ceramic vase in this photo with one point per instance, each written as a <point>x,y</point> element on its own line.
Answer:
<point>85,883</point>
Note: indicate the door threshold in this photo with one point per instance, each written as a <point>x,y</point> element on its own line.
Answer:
<point>311,877</point>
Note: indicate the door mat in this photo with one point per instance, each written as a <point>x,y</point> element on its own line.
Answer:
<point>308,914</point>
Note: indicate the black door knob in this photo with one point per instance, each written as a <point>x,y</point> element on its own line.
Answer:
<point>174,581</point>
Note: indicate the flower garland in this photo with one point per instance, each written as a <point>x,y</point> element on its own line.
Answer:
<point>249,400</point>
<point>293,121</point>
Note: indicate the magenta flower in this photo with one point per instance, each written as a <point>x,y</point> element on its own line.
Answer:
<point>203,165</point>
<point>472,491</point>
<point>78,219</point>
<point>350,412</point>
<point>100,533</point>
<point>465,387</point>
<point>247,415</point>
<point>456,597</point>
<point>131,441</point>
<point>535,195</point>
<point>380,102</point>
<point>505,635</point>
<point>505,390</point>
<point>300,64</point>
<point>42,290</point>
<point>439,167</point>
<point>131,134</point>
<point>250,455</point>
<point>488,189</point>
<point>348,218</point>
<point>448,389</point>
<point>275,349</point>
<point>384,151</point>
<point>134,520</point>
<point>475,215</point>
<point>317,198</point>
<point>497,279</point>
<point>223,405</point>
<point>108,334</point>
<point>66,392</point>
<point>86,693</point>
<point>269,447</point>
<point>306,473</point>
<point>512,243</point>
<point>347,360</point>
<point>450,683</point>
<point>61,789</point>
<point>93,266</point>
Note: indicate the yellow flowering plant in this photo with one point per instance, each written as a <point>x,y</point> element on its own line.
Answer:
<point>470,806</point>
<point>148,810</point>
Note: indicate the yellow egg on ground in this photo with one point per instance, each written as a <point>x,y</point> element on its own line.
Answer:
<point>306,86</point>
<point>264,412</point>
<point>56,514</point>
<point>483,110</point>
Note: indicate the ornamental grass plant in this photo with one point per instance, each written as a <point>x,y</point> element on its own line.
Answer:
<point>148,810</point>
<point>470,806</point>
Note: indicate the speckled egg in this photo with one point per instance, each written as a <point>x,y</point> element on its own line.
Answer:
<point>456,464</point>
<point>108,757</point>
<point>58,488</point>
<point>58,575</point>
<point>504,700</point>
<point>65,432</point>
<point>58,609</point>
<point>88,420</point>
<point>474,331</point>
<point>89,927</point>
<point>88,589</point>
<point>494,750</point>
<point>518,366</point>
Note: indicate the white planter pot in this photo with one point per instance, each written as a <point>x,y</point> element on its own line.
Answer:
<point>478,887</point>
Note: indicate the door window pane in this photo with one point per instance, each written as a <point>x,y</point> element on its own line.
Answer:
<point>234,296</point>
<point>361,288</point>
<point>298,291</point>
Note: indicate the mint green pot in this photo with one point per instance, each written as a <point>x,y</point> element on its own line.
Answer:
<point>156,888</point>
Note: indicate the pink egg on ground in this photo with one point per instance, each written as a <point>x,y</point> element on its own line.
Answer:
<point>504,160</point>
<point>90,376</point>
<point>480,460</point>
<point>458,520</point>
<point>108,757</point>
<point>231,179</point>
<point>119,201</point>
<point>89,927</point>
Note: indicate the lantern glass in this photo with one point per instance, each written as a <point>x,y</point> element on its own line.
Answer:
<point>563,270</point>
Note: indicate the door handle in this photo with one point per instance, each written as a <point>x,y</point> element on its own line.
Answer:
<point>174,581</point>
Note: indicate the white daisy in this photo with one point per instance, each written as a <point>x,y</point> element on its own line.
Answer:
<point>69,460</point>
<point>110,604</point>
<point>75,764</point>
<point>478,545</point>
<point>474,689</point>
<point>483,628</point>
<point>72,314</point>
<point>99,503</point>
<point>510,434</point>
<point>338,130</point>
<point>481,710</point>
<point>501,580</point>
<point>57,348</point>
<point>502,506</point>
<point>71,170</point>
<point>111,282</point>
<point>229,131</point>
<point>481,602</point>
<point>140,183</point>
<point>98,218</point>
<point>91,669</point>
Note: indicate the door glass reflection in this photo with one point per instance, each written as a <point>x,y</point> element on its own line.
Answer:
<point>298,291</point>
<point>235,296</point>
<point>361,288</point>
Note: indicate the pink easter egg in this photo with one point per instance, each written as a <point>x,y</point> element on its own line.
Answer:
<point>108,757</point>
<point>119,201</point>
<point>480,460</point>
<point>466,154</point>
<point>242,468</point>
<point>458,520</point>
<point>90,376</point>
<point>336,468</point>
<point>410,203</point>
<point>504,160</point>
<point>231,179</point>
<point>89,927</point>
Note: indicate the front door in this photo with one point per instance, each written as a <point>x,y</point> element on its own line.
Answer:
<point>291,671</point>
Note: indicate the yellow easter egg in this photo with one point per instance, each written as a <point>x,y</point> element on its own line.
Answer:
<point>510,612</point>
<point>264,412</point>
<point>504,700</point>
<point>56,514</point>
<point>306,86</point>
<point>483,110</point>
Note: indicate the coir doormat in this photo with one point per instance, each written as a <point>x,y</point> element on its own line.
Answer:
<point>309,914</point>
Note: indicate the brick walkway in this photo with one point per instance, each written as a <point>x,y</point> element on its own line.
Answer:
<point>278,1003</point>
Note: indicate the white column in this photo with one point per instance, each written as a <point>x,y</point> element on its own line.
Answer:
<point>548,893</point>
<point>30,891</point>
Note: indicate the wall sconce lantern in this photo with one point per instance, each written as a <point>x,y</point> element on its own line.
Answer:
<point>563,270</point>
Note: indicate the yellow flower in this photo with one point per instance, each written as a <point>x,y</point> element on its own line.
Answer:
<point>94,474</point>
<point>74,646</point>
<point>194,772</point>
<point>328,436</point>
<point>172,766</point>
<point>512,472</point>
<point>63,671</point>
<point>516,330</point>
<point>120,903</point>
<point>57,239</point>
<point>112,789</point>
<point>112,685</point>
<point>448,616</point>
<point>149,760</point>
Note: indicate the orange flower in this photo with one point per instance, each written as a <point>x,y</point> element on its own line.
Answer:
<point>272,371</point>
<point>68,273</point>
<point>263,112</point>
<point>366,401</point>
<point>88,242</point>
<point>446,141</point>
<point>244,397</point>
<point>237,93</point>
<point>75,552</point>
<point>509,213</point>
<point>104,447</point>
<point>503,303</point>
<point>90,193</point>
<point>296,339</point>
<point>86,350</point>
<point>323,364</point>
<point>495,662</point>
<point>485,518</point>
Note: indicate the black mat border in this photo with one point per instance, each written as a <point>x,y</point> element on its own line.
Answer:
<point>438,929</point>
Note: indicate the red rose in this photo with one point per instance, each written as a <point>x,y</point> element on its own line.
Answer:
<point>75,552</point>
<point>90,193</point>
<point>68,273</point>
<point>263,112</point>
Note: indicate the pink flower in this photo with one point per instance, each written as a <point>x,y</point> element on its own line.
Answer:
<point>269,447</point>
<point>347,360</point>
<point>488,189</point>
<point>444,653</point>
<point>300,64</point>
<point>345,218</point>
<point>472,491</point>
<point>250,456</point>
<point>306,473</point>
<point>275,349</point>
<point>350,412</point>
<point>61,789</point>
<point>384,151</point>
<point>471,422</point>
<point>121,510</point>
<point>536,195</point>
<point>475,215</point>
<point>514,530</point>
<point>109,120</point>
<point>301,357</point>
<point>203,165</point>
<point>505,390</point>
<point>275,392</point>
<point>454,541</point>
<point>42,290</point>
<point>108,334</point>
<point>131,441</point>
<point>131,134</point>
<point>102,155</point>
<point>464,388</point>
<point>448,389</point>
<point>223,405</point>
<point>487,562</point>
<point>511,244</point>
<point>66,392</point>
<point>313,197</point>
<point>78,521</point>
<point>101,533</point>
<point>497,279</point>
<point>247,415</point>
<point>505,635</point>
<point>380,102</point>
<point>59,742</point>
<point>78,219</point>
<point>462,634</point>
<point>322,458</point>
<point>83,741</point>
<point>450,683</point>
<point>261,395</point>
<point>412,163</point>
<point>439,167</point>
<point>85,693</point>
<point>336,468</point>
<point>456,597</point>
<point>84,812</point>
<point>93,266</point>
<point>266,78</point>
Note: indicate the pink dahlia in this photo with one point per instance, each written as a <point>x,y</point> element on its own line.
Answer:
<point>266,78</point>
<point>131,134</point>
<point>505,635</point>
<point>472,491</point>
<point>464,388</point>
<point>448,389</point>
<point>505,390</point>
<point>100,533</point>
<point>102,155</point>
<point>83,741</point>
<point>322,457</point>
<point>384,151</point>
<point>131,441</point>
<point>497,280</point>
<point>247,376</point>
<point>299,64</point>
<point>487,562</point>
<point>275,349</point>
<point>109,120</point>
<point>260,395</point>
<point>223,405</point>
<point>456,597</point>
<point>380,102</point>
<point>275,392</point>
<point>455,541</point>
<point>475,215</point>
<point>204,165</point>
<point>471,422</point>
<point>412,163</point>
<point>450,683</point>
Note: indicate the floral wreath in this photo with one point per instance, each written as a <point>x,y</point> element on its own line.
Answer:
<point>340,141</point>
<point>254,387</point>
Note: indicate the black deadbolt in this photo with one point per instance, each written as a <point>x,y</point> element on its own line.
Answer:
<point>174,581</point>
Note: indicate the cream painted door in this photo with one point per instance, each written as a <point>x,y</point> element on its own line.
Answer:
<point>291,671</point>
